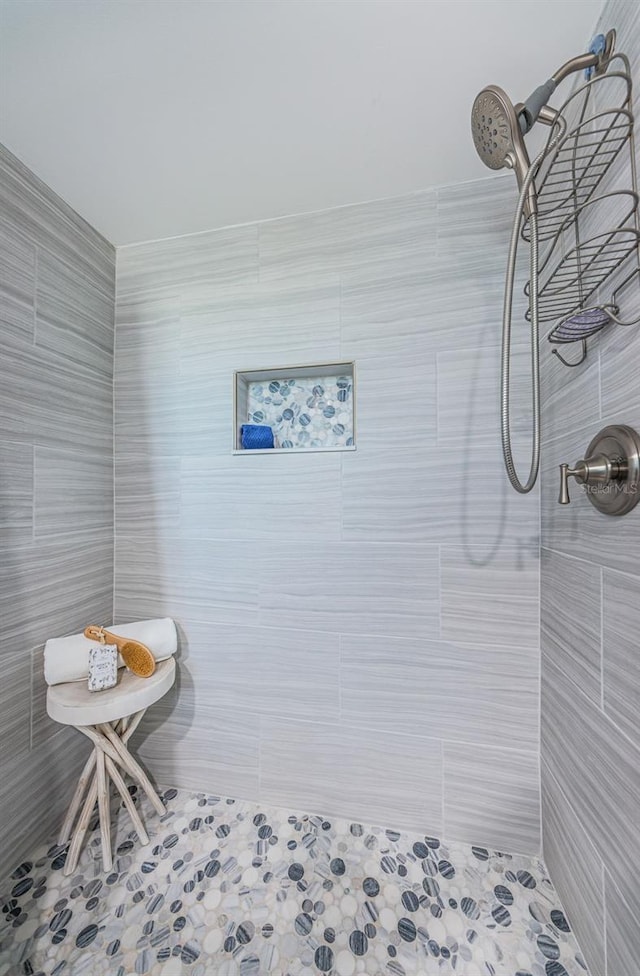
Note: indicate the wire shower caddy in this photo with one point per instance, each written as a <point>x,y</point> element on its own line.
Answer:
<point>591,139</point>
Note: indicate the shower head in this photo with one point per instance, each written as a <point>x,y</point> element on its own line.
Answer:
<point>498,126</point>
<point>496,132</point>
<point>493,123</point>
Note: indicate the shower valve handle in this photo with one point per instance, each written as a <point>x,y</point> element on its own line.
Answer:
<point>597,470</point>
<point>565,473</point>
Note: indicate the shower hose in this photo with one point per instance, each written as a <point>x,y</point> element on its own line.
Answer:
<point>505,423</point>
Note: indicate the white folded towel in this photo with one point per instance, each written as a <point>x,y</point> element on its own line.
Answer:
<point>67,658</point>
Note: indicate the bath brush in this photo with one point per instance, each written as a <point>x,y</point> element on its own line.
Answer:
<point>136,656</point>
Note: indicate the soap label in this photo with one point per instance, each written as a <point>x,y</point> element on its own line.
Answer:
<point>103,667</point>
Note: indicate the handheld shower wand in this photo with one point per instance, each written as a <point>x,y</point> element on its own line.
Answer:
<point>498,137</point>
<point>498,128</point>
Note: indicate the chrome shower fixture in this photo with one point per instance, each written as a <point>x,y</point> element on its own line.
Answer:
<point>498,136</point>
<point>498,126</point>
<point>609,473</point>
<point>556,188</point>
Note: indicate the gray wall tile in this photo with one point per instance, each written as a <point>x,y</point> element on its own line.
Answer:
<point>376,589</point>
<point>601,779</point>
<point>47,400</point>
<point>16,493</point>
<point>49,588</point>
<point>187,579</point>
<point>42,727</point>
<point>387,308</point>
<point>55,403</point>
<point>395,392</point>
<point>441,690</point>
<point>620,369</point>
<point>569,405</point>
<point>571,619</point>
<point>576,869</point>
<point>73,319</point>
<point>17,285</point>
<point>491,796</point>
<point>376,239</point>
<point>42,218</point>
<point>386,500</point>
<point>475,219</point>
<point>175,742</point>
<point>481,512</point>
<point>218,256</point>
<point>44,781</point>
<point>239,497</point>
<point>622,932</point>
<point>148,337</point>
<point>15,691</point>
<point>147,415</point>
<point>147,492</point>
<point>620,670</point>
<point>173,414</point>
<point>492,599</point>
<point>295,673</point>
<point>73,493</point>
<point>438,306</point>
<point>468,392</point>
<point>336,770</point>
<point>253,327</point>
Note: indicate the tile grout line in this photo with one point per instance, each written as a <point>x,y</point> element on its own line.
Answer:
<point>602,639</point>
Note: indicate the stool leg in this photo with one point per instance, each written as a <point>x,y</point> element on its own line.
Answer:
<point>127,761</point>
<point>109,741</point>
<point>81,827</point>
<point>83,782</point>
<point>109,748</point>
<point>132,723</point>
<point>103,810</point>
<point>128,802</point>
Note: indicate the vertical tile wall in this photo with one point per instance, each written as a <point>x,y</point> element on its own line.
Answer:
<point>57,279</point>
<point>359,632</point>
<point>590,578</point>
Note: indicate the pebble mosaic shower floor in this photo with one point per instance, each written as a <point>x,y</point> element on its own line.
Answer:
<point>231,888</point>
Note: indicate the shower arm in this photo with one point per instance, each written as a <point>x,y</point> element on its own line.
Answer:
<point>535,109</point>
<point>581,63</point>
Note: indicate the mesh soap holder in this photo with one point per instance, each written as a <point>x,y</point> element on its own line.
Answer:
<point>575,202</point>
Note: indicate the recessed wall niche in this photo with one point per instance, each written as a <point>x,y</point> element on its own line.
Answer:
<point>308,408</point>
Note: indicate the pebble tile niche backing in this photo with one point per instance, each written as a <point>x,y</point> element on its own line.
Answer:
<point>305,412</point>
<point>228,888</point>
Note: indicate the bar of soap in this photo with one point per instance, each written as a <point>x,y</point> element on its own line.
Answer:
<point>103,667</point>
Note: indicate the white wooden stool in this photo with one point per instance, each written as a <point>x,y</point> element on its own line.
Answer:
<point>109,718</point>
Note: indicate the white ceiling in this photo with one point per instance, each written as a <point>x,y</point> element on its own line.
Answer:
<point>155,118</point>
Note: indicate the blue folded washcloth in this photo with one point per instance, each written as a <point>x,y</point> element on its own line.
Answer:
<point>256,437</point>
